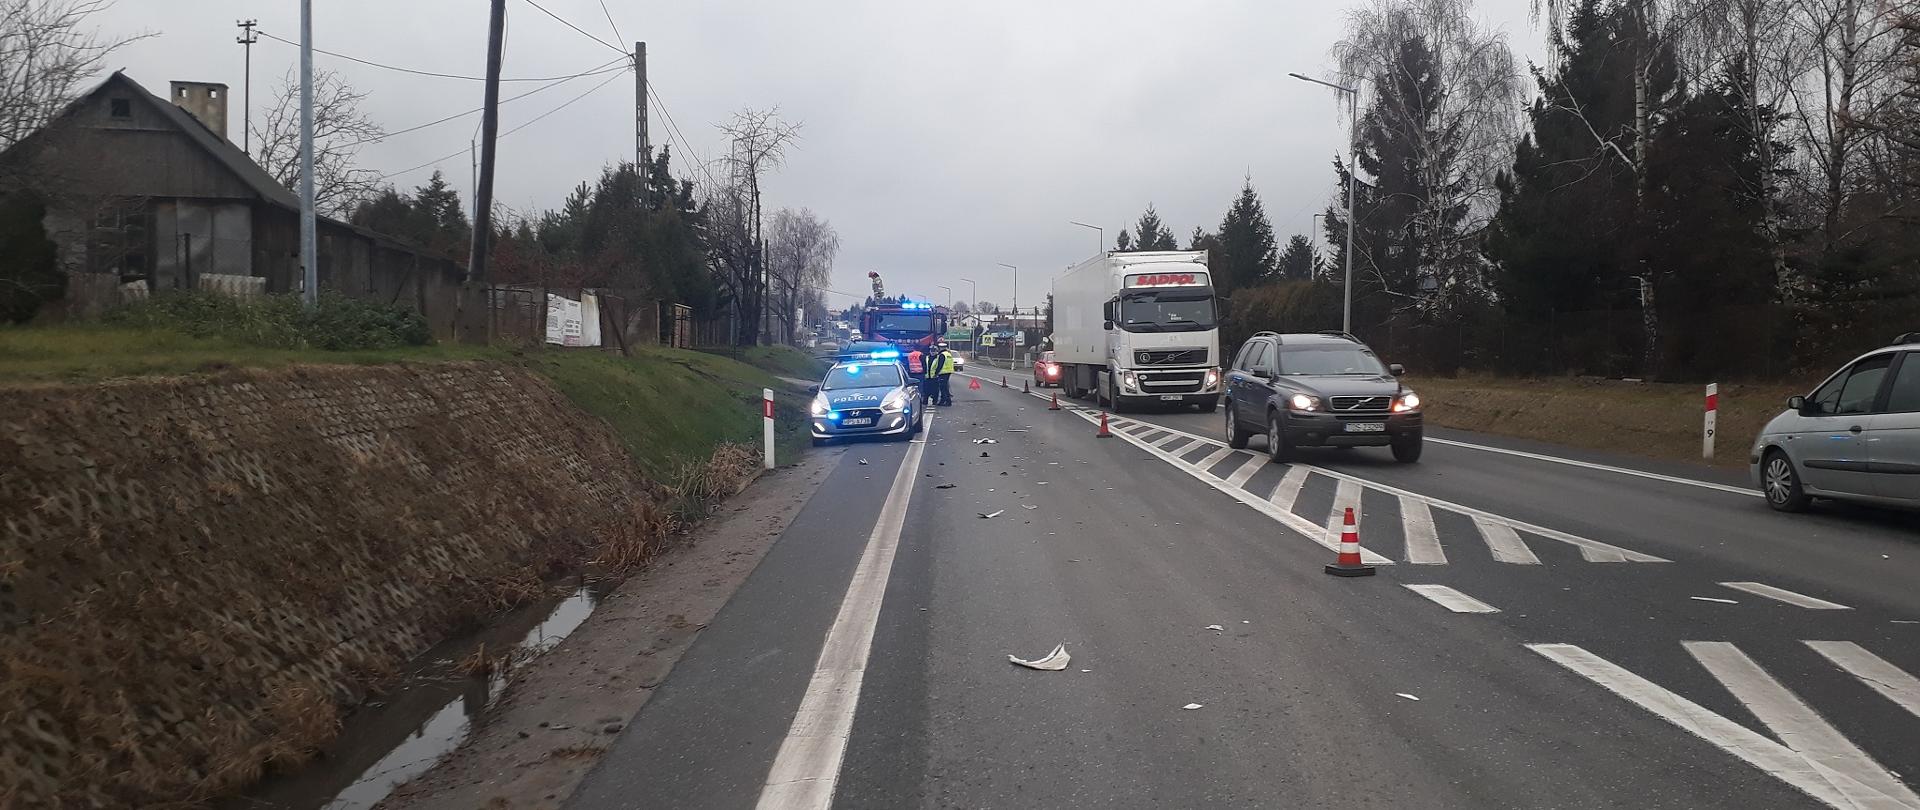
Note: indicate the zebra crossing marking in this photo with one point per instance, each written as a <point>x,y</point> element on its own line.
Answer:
<point>1784,595</point>
<point>1423,540</point>
<point>1451,599</point>
<point>1504,542</point>
<point>1873,671</point>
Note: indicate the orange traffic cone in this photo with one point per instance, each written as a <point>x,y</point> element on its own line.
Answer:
<point>973,384</point>
<point>1348,564</point>
<point>1055,405</point>
<point>1104,432</point>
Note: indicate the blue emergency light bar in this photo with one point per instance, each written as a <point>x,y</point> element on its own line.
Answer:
<point>886,354</point>
<point>916,305</point>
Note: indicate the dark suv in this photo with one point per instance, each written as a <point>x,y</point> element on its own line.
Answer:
<point>1320,390</point>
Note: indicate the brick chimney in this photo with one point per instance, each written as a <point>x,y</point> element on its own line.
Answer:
<point>206,100</point>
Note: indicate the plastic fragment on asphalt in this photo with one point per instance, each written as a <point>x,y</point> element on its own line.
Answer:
<point>863,461</point>
<point>1712,599</point>
<point>1216,628</point>
<point>1051,662</point>
<point>983,454</point>
<point>993,514</point>
<point>946,486</point>
<point>1028,506</point>
<point>1407,696</point>
<point>1191,706</point>
<point>986,441</point>
<point>1904,621</point>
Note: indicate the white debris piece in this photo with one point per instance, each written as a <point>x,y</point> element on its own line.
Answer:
<point>1191,706</point>
<point>1051,662</point>
<point>1407,696</point>
<point>994,514</point>
<point>1216,628</point>
<point>1028,506</point>
<point>863,461</point>
<point>1712,599</point>
<point>986,441</point>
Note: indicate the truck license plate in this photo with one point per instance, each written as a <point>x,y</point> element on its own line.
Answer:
<point>1366,427</point>
<point>856,422</point>
<point>1169,397</point>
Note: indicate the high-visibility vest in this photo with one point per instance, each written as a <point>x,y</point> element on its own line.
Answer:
<point>943,364</point>
<point>914,365</point>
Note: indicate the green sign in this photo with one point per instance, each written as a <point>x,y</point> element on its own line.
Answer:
<point>959,334</point>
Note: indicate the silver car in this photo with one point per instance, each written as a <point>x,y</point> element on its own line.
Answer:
<point>1856,437</point>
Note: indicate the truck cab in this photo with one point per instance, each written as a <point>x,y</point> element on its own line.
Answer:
<point>1139,328</point>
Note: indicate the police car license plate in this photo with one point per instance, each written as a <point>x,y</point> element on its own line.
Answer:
<point>862,422</point>
<point>1170,397</point>
<point>1366,427</point>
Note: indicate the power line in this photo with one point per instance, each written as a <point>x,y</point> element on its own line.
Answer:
<point>673,128</point>
<point>603,69</point>
<point>610,23</point>
<point>398,69</point>
<point>583,32</point>
<point>535,119</point>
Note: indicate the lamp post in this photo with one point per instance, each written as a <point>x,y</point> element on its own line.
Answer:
<point>1353,149</point>
<point>949,295</point>
<point>1102,235</point>
<point>1016,312</point>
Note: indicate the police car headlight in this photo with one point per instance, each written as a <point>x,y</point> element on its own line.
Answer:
<point>895,402</point>
<point>820,406</point>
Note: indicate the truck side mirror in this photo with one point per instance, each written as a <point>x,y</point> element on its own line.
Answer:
<point>1396,370</point>
<point>1107,326</point>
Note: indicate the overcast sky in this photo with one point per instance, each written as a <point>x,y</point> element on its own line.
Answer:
<point>939,139</point>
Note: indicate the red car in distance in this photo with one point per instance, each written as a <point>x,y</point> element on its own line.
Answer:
<point>1045,371</point>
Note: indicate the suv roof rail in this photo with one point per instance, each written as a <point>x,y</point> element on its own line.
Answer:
<point>1910,337</point>
<point>1337,333</point>
<point>1266,334</point>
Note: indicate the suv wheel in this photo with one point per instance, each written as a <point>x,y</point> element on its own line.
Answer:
<point>1236,438</point>
<point>1407,451</point>
<point>1277,447</point>
<point>1782,483</point>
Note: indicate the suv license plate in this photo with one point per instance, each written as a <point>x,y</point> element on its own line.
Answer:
<point>1366,427</point>
<point>860,422</point>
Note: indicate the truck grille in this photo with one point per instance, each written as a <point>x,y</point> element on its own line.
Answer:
<point>1171,357</point>
<point>1172,383</point>
<point>1359,404</point>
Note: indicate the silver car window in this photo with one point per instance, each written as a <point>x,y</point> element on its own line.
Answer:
<point>1857,393</point>
<point>1905,394</point>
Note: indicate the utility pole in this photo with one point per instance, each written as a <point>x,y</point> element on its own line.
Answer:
<point>640,151</point>
<point>247,39</point>
<point>489,132</point>
<point>1353,172</point>
<point>309,249</point>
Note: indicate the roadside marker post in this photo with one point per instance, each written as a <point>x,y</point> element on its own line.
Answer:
<point>766,426</point>
<point>1003,381</point>
<point>1712,420</point>
<point>1348,564</point>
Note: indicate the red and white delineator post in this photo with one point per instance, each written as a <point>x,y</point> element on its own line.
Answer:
<point>1712,418</point>
<point>766,426</point>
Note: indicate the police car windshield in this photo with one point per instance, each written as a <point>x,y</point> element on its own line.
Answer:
<point>874,375</point>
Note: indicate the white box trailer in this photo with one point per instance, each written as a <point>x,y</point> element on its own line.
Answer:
<point>1138,327</point>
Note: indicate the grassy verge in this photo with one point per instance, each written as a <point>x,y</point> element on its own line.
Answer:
<point>84,353</point>
<point>785,361</point>
<point>1657,420</point>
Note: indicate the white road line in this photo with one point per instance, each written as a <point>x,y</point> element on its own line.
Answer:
<point>1874,671</point>
<point>1590,550</point>
<point>1784,595</point>
<point>1423,541</point>
<point>1252,466</point>
<point>1671,479</point>
<point>1213,458</point>
<point>1346,495</point>
<point>1451,599</point>
<point>1865,782</point>
<point>1171,439</point>
<point>1288,490</point>
<point>1505,544</point>
<point>807,768</point>
<point>1775,759</point>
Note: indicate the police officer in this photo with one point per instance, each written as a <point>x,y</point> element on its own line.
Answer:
<point>940,370</point>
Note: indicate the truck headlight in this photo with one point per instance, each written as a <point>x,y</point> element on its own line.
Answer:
<point>1408,401</point>
<point>820,406</point>
<point>1213,377</point>
<point>1128,381</point>
<point>1302,402</point>
<point>895,402</point>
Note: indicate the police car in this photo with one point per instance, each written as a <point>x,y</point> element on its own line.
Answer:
<point>871,396</point>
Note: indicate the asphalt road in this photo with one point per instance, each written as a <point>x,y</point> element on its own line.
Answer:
<point>864,663</point>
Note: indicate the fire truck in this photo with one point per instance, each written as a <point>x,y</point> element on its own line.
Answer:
<point>903,322</point>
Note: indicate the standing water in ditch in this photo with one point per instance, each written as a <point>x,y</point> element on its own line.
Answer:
<point>396,738</point>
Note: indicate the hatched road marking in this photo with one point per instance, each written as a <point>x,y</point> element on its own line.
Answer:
<point>1784,595</point>
<point>1873,671</point>
<point>1451,599</point>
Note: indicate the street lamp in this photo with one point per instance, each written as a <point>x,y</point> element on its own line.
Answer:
<point>1102,234</point>
<point>1353,148</point>
<point>949,295</point>
<point>1016,310</point>
<point>975,305</point>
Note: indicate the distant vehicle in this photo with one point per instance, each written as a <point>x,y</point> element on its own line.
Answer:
<point>1133,328</point>
<point>871,397</point>
<point>906,324</point>
<point>1319,390</point>
<point>1046,370</point>
<point>1856,437</point>
<point>959,361</point>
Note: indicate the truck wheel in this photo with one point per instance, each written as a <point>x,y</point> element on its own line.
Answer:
<point>1117,402</point>
<point>1208,406</point>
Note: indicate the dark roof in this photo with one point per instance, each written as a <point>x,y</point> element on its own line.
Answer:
<point>220,148</point>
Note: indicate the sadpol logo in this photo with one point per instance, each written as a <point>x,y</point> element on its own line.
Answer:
<point>1166,279</point>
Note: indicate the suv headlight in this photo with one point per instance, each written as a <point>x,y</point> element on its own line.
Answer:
<point>895,402</point>
<point>1302,402</point>
<point>820,406</point>
<point>1408,401</point>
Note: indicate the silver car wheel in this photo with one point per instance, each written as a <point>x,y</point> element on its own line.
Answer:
<point>1779,479</point>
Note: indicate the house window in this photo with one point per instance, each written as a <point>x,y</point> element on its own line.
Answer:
<point>212,93</point>
<point>121,108</point>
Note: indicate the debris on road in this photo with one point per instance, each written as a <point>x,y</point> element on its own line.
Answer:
<point>1028,506</point>
<point>863,462</point>
<point>1051,662</point>
<point>986,441</point>
<point>994,514</point>
<point>1713,599</point>
<point>1191,706</point>
<point>1407,696</point>
<point>983,454</point>
<point>946,486</point>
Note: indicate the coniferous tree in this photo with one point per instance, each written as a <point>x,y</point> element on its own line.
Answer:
<point>1151,233</point>
<point>1244,252</point>
<point>1298,260</point>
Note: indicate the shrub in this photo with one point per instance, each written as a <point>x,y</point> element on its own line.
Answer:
<point>29,272</point>
<point>337,323</point>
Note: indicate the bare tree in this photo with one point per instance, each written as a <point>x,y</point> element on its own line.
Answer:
<point>339,129</point>
<point>48,49</point>
<point>1853,46</point>
<point>1461,133</point>
<point>800,254</point>
<point>758,141</point>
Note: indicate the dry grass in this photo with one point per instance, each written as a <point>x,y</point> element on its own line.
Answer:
<point>1658,420</point>
<point>581,751</point>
